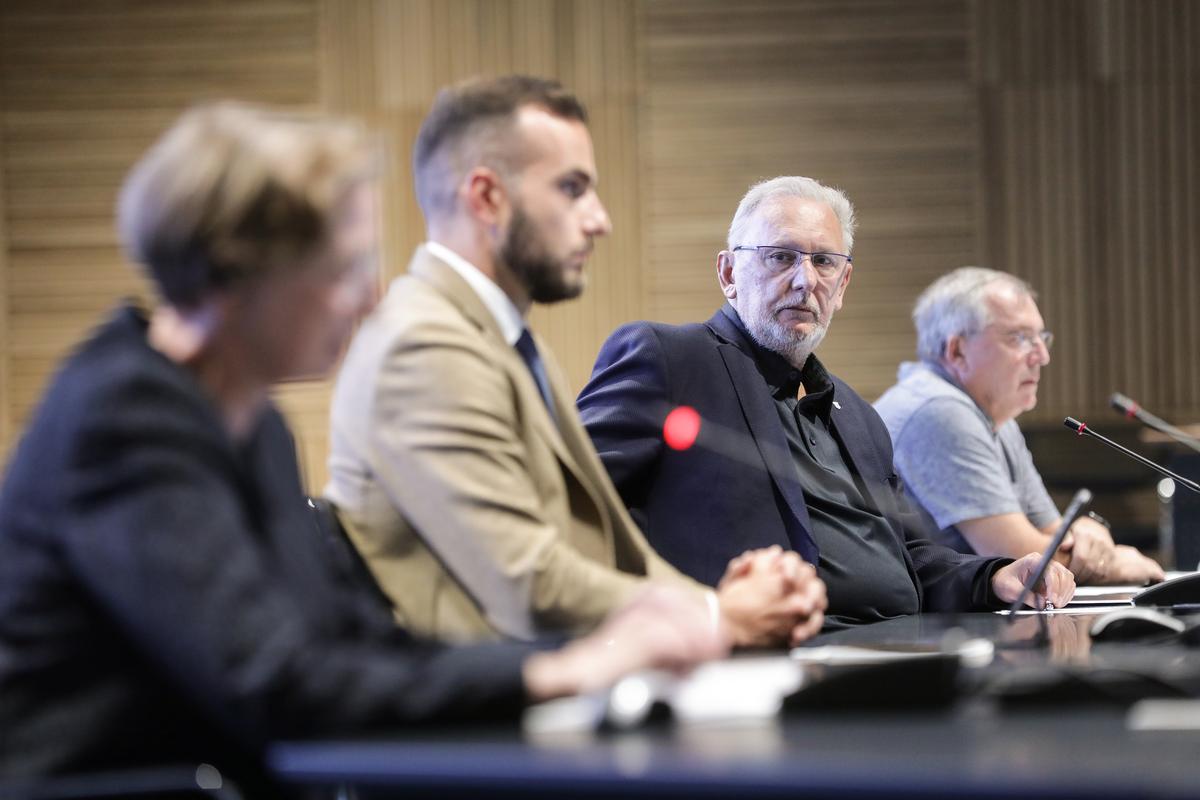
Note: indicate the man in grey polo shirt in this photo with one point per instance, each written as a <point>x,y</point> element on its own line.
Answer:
<point>958,449</point>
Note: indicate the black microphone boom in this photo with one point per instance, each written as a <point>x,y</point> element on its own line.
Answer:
<point>1083,430</point>
<point>1129,408</point>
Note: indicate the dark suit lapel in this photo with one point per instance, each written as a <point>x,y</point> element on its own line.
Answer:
<point>762,418</point>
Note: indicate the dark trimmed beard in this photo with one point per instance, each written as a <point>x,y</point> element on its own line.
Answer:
<point>544,278</point>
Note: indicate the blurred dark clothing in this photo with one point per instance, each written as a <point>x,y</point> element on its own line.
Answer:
<point>164,596</point>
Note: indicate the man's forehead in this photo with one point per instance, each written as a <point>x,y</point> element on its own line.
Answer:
<point>542,134</point>
<point>785,215</point>
<point>1008,304</point>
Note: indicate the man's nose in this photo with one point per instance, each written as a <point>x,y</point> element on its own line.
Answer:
<point>1040,354</point>
<point>804,274</point>
<point>596,220</point>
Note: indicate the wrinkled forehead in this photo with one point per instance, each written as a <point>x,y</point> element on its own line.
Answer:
<point>786,219</point>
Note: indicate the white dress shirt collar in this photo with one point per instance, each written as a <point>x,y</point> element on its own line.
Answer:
<point>508,317</point>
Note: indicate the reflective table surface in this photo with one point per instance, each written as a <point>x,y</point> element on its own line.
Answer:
<point>1048,716</point>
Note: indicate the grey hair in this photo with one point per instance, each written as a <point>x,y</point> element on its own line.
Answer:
<point>956,304</point>
<point>793,186</point>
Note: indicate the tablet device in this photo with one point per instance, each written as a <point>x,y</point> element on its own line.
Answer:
<point>1078,503</point>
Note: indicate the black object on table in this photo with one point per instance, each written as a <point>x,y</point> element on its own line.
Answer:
<point>1045,719</point>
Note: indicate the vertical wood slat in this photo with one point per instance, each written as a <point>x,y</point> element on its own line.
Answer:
<point>86,88</point>
<point>1089,152</point>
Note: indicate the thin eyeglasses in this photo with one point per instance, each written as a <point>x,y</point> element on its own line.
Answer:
<point>779,260</point>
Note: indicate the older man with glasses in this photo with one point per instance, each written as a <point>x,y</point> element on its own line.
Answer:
<point>786,454</point>
<point>952,416</point>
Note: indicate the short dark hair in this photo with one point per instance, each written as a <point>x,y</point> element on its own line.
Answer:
<point>477,114</point>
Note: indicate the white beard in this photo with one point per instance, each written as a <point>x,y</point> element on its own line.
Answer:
<point>795,347</point>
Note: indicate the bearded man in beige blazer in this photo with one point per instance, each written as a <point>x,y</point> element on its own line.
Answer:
<point>458,464</point>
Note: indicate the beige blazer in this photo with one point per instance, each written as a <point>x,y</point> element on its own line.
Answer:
<point>478,515</point>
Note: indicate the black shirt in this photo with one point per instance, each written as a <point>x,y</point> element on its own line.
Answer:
<point>860,557</point>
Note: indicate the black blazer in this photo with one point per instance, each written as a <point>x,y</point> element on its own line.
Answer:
<point>164,597</point>
<point>734,489</point>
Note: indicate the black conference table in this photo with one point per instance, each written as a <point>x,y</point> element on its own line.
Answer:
<point>1047,718</point>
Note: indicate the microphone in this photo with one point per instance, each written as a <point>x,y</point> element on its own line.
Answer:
<point>1083,430</point>
<point>1130,408</point>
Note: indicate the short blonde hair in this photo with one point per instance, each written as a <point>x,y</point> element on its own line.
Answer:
<point>232,191</point>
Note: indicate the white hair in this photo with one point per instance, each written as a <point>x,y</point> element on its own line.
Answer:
<point>956,305</point>
<point>793,186</point>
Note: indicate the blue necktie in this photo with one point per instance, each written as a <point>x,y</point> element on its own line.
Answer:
<point>529,354</point>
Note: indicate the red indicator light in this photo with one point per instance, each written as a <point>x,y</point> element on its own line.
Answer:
<point>681,427</point>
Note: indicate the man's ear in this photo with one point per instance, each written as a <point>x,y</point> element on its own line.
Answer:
<point>725,274</point>
<point>484,196</point>
<point>953,354</point>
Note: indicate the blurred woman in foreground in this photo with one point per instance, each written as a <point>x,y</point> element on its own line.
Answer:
<point>163,596</point>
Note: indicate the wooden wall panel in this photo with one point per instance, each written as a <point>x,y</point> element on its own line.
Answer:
<point>1057,140</point>
<point>870,96</point>
<point>86,87</point>
<point>1091,178</point>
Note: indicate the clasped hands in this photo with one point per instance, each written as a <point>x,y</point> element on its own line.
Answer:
<point>770,597</point>
<point>766,597</point>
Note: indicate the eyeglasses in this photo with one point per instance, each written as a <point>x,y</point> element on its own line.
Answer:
<point>1026,340</point>
<point>779,260</point>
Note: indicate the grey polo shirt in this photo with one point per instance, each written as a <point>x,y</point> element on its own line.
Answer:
<point>954,464</point>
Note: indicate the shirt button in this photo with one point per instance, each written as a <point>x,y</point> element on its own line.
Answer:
<point>812,440</point>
